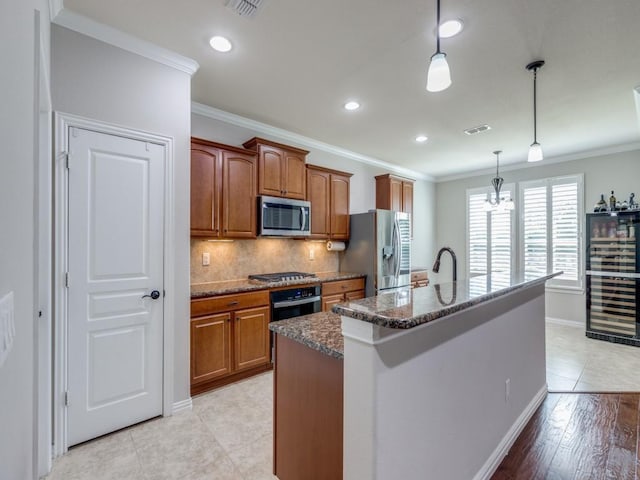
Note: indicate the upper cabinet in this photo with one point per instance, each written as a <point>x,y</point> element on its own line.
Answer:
<point>281,169</point>
<point>395,193</point>
<point>328,192</point>
<point>223,190</point>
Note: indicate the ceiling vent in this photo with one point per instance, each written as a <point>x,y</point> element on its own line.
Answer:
<point>477,130</point>
<point>245,8</point>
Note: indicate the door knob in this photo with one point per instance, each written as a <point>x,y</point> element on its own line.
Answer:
<point>155,294</point>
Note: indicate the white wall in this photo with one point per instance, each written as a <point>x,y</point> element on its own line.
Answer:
<point>362,187</point>
<point>95,80</point>
<point>18,136</point>
<point>619,172</point>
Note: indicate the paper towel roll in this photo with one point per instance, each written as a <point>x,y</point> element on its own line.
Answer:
<point>336,246</point>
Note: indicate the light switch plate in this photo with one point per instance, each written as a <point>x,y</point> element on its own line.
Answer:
<point>7,326</point>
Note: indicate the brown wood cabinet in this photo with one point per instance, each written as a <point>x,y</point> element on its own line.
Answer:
<point>341,291</point>
<point>281,168</point>
<point>328,192</point>
<point>419,278</point>
<point>394,193</point>
<point>223,190</point>
<point>229,338</point>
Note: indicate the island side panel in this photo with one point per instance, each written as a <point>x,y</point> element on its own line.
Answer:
<point>308,413</point>
<point>432,399</point>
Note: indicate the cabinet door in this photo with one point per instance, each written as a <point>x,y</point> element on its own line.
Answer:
<point>318,192</point>
<point>357,295</point>
<point>210,347</point>
<point>238,195</point>
<point>330,300</point>
<point>205,176</point>
<point>395,189</point>
<point>407,201</point>
<point>339,207</point>
<point>251,338</point>
<point>294,182</point>
<point>270,171</point>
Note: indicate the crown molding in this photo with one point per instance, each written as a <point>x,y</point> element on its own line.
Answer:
<point>55,7</point>
<point>105,33</point>
<point>627,147</point>
<point>301,140</point>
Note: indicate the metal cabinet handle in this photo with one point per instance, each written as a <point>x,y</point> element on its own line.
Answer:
<point>231,304</point>
<point>154,295</point>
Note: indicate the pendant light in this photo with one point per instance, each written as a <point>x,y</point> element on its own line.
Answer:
<point>535,150</point>
<point>500,204</point>
<point>438,76</point>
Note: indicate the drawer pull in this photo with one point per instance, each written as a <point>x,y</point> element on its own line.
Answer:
<point>231,304</point>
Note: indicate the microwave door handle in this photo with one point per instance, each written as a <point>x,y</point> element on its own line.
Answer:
<point>303,218</point>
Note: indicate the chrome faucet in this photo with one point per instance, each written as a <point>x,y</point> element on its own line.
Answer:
<point>436,265</point>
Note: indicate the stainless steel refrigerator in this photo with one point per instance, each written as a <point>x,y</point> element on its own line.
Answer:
<point>380,246</point>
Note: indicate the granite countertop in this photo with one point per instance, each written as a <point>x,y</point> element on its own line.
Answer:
<point>409,308</point>
<point>210,289</point>
<point>320,331</point>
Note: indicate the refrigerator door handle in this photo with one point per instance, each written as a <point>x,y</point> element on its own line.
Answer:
<point>398,247</point>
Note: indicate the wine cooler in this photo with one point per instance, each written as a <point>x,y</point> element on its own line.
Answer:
<point>613,277</point>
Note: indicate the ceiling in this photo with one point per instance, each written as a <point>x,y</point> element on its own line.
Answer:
<point>295,64</point>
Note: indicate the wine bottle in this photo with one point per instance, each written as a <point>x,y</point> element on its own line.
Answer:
<point>601,206</point>
<point>612,202</point>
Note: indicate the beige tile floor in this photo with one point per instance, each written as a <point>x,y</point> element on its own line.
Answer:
<point>228,434</point>
<point>580,364</point>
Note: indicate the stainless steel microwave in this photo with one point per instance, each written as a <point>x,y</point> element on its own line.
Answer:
<point>283,217</point>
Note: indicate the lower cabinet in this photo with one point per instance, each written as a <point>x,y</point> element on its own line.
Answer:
<point>341,291</point>
<point>229,338</point>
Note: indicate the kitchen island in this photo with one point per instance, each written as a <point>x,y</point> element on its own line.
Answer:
<point>436,382</point>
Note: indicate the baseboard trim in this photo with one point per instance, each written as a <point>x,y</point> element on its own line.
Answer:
<point>182,406</point>
<point>562,321</point>
<point>501,451</point>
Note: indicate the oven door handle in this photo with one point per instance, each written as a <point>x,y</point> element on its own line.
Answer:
<point>293,303</point>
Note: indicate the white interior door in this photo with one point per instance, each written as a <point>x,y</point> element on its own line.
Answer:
<point>115,356</point>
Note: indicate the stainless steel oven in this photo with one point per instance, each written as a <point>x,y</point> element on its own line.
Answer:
<point>294,302</point>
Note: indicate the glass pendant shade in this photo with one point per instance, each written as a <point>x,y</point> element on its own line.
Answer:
<point>439,76</point>
<point>535,153</point>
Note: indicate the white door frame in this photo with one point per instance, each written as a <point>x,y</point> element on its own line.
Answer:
<point>63,123</point>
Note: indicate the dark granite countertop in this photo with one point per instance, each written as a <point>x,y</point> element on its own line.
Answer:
<point>409,308</point>
<point>210,289</point>
<point>321,331</point>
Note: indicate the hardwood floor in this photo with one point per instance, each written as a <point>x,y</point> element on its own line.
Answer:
<point>578,436</point>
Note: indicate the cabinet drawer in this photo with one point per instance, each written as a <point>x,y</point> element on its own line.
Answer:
<point>226,303</point>
<point>341,286</point>
<point>419,276</point>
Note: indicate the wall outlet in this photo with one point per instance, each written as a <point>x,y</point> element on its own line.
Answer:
<point>7,326</point>
<point>312,254</point>
<point>507,390</point>
<point>206,259</point>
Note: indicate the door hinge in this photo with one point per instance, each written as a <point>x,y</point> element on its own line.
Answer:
<point>66,399</point>
<point>66,160</point>
<point>66,279</point>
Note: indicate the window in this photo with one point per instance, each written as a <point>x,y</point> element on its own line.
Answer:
<point>550,228</point>
<point>549,237</point>
<point>490,235</point>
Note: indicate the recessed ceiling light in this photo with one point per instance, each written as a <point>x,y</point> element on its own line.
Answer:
<point>352,105</point>
<point>421,138</point>
<point>220,44</point>
<point>450,28</point>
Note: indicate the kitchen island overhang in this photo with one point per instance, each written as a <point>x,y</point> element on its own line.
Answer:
<point>439,381</point>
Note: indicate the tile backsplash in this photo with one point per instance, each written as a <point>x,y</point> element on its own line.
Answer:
<point>236,259</point>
